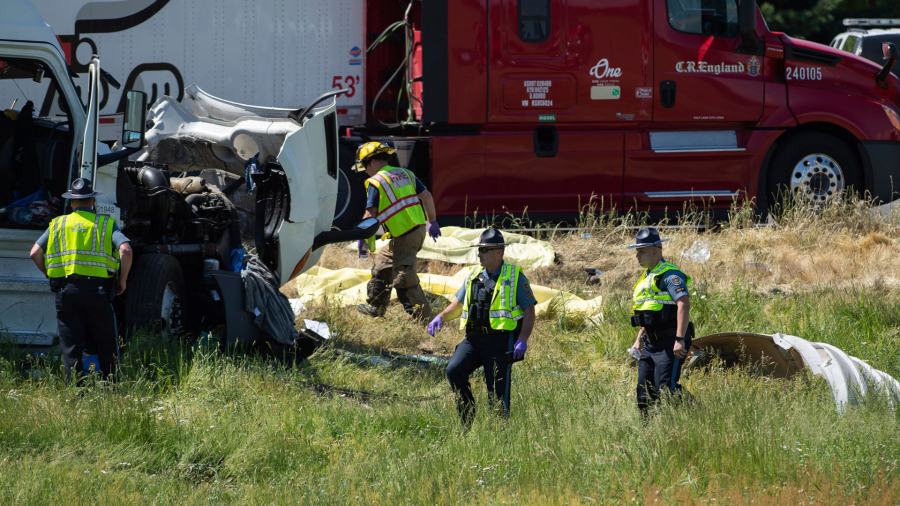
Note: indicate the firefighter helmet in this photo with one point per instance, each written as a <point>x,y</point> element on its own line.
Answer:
<point>365,152</point>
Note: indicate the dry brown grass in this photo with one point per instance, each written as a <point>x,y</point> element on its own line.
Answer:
<point>845,245</point>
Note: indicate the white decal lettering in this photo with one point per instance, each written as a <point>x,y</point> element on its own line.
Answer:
<point>602,70</point>
<point>803,73</point>
<point>703,67</point>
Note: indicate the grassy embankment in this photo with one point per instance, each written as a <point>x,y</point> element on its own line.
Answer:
<point>190,425</point>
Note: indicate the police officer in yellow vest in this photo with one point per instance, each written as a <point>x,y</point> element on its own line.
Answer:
<point>497,308</point>
<point>82,253</point>
<point>661,309</point>
<point>401,203</point>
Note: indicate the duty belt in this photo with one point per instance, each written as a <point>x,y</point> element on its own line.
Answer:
<point>654,336</point>
<point>481,329</point>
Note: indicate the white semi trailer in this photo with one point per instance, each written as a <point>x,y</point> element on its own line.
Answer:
<point>270,53</point>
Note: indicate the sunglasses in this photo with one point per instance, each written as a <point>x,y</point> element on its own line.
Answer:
<point>483,249</point>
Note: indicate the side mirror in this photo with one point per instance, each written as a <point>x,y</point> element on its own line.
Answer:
<point>891,54</point>
<point>133,128</point>
<point>747,21</point>
<point>135,123</point>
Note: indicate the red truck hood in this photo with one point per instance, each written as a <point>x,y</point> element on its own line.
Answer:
<point>855,71</point>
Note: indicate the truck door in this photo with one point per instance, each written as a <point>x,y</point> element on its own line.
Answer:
<point>707,93</point>
<point>700,75</point>
<point>561,82</point>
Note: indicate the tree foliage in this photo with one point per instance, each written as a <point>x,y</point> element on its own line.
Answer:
<point>821,20</point>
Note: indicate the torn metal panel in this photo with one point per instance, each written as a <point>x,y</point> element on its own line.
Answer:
<point>213,133</point>
<point>782,356</point>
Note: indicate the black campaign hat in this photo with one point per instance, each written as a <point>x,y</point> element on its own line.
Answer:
<point>490,237</point>
<point>646,237</point>
<point>81,189</point>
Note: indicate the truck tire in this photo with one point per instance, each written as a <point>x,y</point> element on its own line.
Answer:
<point>351,194</point>
<point>155,295</point>
<point>813,168</point>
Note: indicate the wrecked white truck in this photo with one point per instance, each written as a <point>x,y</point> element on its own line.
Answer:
<point>183,232</point>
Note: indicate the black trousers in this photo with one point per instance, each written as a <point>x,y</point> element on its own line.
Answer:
<point>658,370</point>
<point>481,350</point>
<point>86,320</point>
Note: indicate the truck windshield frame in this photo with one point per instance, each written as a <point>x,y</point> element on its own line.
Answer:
<point>699,17</point>
<point>534,20</point>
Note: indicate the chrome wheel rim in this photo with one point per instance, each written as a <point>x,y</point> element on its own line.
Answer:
<point>817,179</point>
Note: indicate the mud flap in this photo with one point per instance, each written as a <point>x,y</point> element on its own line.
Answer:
<point>239,327</point>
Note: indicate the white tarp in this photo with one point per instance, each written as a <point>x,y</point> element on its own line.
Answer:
<point>781,355</point>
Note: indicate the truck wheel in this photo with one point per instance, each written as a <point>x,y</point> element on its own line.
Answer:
<point>813,168</point>
<point>155,295</point>
<point>351,193</point>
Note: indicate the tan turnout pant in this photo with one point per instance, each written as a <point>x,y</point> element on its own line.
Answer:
<point>395,267</point>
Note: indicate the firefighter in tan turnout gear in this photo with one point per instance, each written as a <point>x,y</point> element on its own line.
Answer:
<point>401,203</point>
<point>82,253</point>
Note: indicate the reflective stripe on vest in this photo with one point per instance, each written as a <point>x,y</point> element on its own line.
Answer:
<point>646,295</point>
<point>399,208</point>
<point>81,243</point>
<point>505,311</point>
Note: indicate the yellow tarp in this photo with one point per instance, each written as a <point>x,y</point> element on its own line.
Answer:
<point>454,246</point>
<point>347,287</point>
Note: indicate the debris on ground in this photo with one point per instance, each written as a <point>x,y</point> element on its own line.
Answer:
<point>455,246</point>
<point>759,265</point>
<point>782,356</point>
<point>388,359</point>
<point>320,328</point>
<point>697,253</point>
<point>593,275</point>
<point>347,287</point>
<point>296,306</point>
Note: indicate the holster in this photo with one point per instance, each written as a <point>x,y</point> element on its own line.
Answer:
<point>55,284</point>
<point>654,336</point>
<point>655,320</point>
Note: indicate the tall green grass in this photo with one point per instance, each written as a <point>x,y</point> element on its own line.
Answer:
<point>189,424</point>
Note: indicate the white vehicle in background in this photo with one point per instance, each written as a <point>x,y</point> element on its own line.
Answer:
<point>183,232</point>
<point>865,36</point>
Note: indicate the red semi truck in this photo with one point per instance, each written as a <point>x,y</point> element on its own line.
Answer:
<point>503,106</point>
<point>539,104</point>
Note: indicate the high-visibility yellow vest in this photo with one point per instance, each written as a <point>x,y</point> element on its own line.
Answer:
<point>81,243</point>
<point>505,311</point>
<point>399,209</point>
<point>646,295</point>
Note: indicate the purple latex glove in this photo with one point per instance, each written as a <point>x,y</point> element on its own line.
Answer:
<point>519,349</point>
<point>435,324</point>
<point>434,230</point>
<point>361,248</point>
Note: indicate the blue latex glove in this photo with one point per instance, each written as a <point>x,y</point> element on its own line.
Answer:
<point>519,349</point>
<point>435,324</point>
<point>434,230</point>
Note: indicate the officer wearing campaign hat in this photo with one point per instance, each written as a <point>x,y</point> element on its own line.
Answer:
<point>661,310</point>
<point>497,308</point>
<point>83,253</point>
